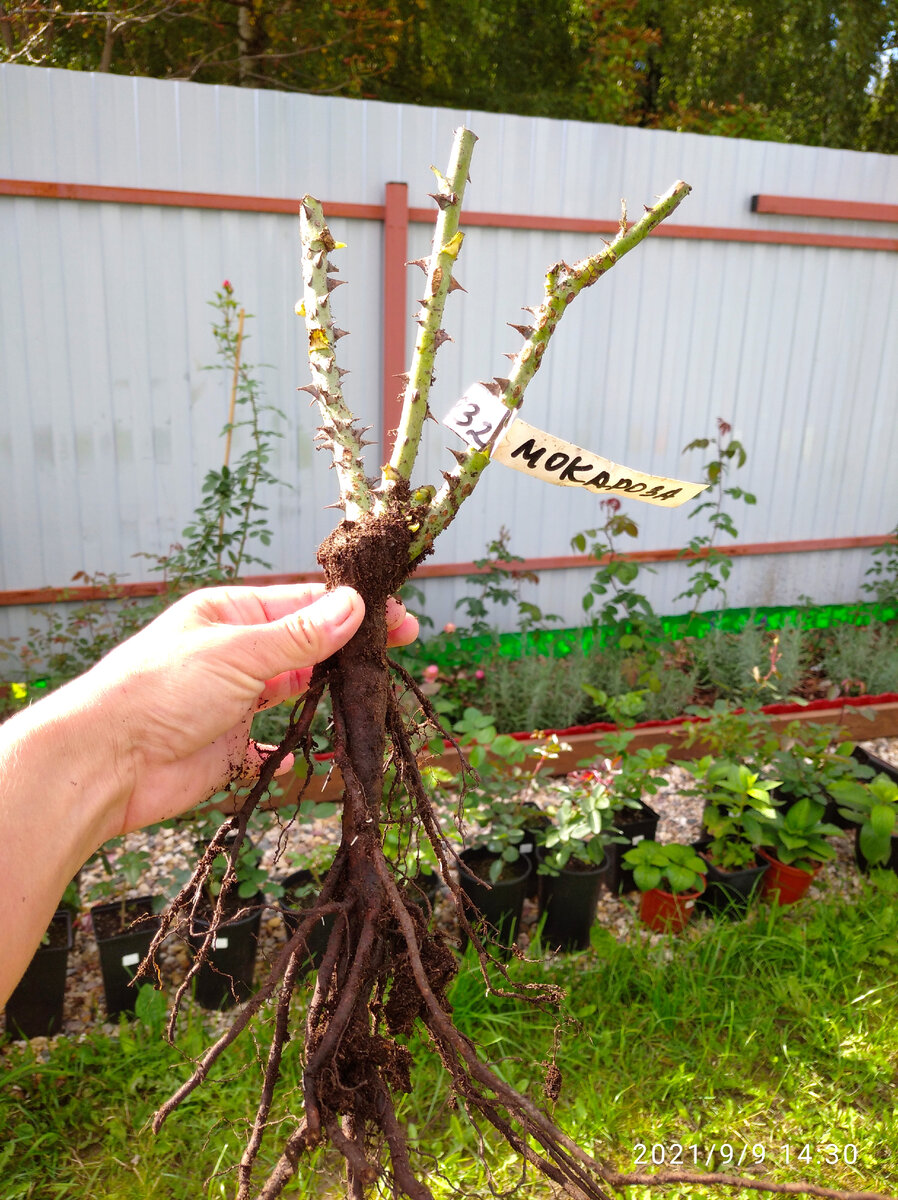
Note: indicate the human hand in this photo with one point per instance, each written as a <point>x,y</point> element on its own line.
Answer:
<point>181,694</point>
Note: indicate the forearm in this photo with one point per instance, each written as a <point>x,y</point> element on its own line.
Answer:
<point>60,784</point>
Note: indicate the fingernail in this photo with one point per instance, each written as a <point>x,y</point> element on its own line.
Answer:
<point>338,606</point>
<point>395,612</point>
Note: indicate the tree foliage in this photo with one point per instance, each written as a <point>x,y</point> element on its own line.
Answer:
<point>818,72</point>
<point>329,46</point>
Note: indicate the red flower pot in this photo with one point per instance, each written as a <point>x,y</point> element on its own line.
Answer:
<point>664,912</point>
<point>783,884</point>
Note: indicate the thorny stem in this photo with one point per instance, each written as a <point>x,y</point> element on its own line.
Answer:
<point>563,284</point>
<point>447,240</point>
<point>338,430</point>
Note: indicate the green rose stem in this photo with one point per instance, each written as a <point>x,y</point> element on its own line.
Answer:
<point>386,969</point>
<point>438,268</point>
<point>563,285</point>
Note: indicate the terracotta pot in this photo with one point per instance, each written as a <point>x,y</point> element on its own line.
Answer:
<point>663,912</point>
<point>784,884</point>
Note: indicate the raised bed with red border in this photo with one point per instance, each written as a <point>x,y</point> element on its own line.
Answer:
<point>861,717</point>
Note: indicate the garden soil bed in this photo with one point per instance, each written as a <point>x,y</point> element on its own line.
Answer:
<point>680,821</point>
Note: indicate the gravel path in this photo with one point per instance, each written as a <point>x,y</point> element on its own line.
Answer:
<point>173,849</point>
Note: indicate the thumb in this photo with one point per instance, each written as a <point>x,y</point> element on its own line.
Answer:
<point>302,638</point>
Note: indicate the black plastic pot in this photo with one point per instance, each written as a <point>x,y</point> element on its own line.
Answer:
<point>635,824</point>
<point>728,893</point>
<point>498,904</point>
<point>863,865</point>
<point>293,913</point>
<point>423,890</point>
<point>568,901</point>
<point>122,951</point>
<point>534,824</point>
<point>35,1007</point>
<point>226,977</point>
<point>877,764</point>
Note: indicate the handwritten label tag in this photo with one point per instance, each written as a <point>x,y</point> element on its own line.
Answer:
<point>130,960</point>
<point>220,943</point>
<point>526,449</point>
<point>477,416</point>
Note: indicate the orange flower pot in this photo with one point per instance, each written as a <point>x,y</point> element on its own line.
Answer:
<point>783,884</point>
<point>663,912</point>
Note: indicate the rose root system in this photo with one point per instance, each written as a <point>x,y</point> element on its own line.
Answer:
<point>385,969</point>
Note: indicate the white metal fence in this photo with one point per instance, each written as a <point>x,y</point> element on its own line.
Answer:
<point>108,423</point>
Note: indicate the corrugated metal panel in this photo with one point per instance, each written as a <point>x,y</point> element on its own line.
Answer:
<point>108,422</point>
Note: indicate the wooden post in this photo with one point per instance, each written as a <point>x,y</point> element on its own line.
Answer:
<point>395,305</point>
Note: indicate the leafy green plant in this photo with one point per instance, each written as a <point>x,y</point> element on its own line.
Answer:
<point>737,801</point>
<point>632,775</point>
<point>229,521</point>
<point>626,615</point>
<point>655,864</point>
<point>727,732</point>
<point>710,567</point>
<point>315,861</point>
<point>809,761</point>
<point>883,574</point>
<point>752,664</point>
<point>798,835</point>
<point>124,868</point>
<point>874,807</point>
<point>70,637</point>
<point>498,584</point>
<point>582,826</point>
<point>536,691</point>
<point>862,659</point>
<point>501,804</point>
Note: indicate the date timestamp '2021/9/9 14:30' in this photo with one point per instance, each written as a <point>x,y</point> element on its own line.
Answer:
<point>726,1154</point>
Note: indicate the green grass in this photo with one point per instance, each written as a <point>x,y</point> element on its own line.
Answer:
<point>779,1031</point>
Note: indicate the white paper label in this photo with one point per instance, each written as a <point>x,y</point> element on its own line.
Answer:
<point>130,960</point>
<point>634,841</point>
<point>477,416</point>
<point>526,449</point>
<point>526,848</point>
<point>221,943</point>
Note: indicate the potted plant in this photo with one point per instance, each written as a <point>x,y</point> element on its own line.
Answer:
<point>737,801</point>
<point>298,891</point>
<point>123,927</point>
<point>573,862</point>
<point>795,846</point>
<point>630,775</point>
<point>225,978</point>
<point>35,1008</point>
<point>495,869</point>
<point>873,808</point>
<point>808,763</point>
<point>666,910</point>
